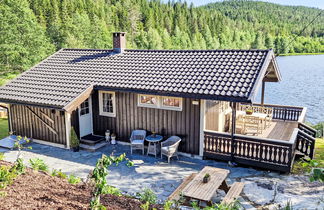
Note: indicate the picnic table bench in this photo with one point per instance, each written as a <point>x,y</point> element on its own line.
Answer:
<point>193,188</point>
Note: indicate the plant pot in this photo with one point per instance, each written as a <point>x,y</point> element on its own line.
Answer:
<point>76,149</point>
<point>113,140</point>
<point>249,112</point>
<point>206,179</point>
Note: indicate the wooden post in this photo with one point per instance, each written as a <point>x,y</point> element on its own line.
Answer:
<point>262,93</point>
<point>233,106</point>
<point>67,129</point>
<point>9,118</point>
<point>202,127</point>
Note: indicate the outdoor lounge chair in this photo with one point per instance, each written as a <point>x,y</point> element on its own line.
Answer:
<point>137,140</point>
<point>170,146</point>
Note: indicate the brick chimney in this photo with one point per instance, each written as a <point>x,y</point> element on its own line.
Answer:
<point>119,41</point>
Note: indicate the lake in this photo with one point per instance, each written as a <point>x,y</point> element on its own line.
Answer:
<point>302,85</point>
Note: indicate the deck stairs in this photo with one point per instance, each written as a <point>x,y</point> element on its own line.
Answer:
<point>305,141</point>
<point>92,142</point>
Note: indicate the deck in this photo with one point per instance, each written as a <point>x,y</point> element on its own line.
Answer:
<point>274,149</point>
<point>279,129</point>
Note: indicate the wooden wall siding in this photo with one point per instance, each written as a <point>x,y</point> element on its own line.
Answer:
<point>25,123</point>
<point>129,116</point>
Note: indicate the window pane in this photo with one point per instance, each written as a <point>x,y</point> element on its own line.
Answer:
<point>107,102</point>
<point>145,99</point>
<point>173,102</point>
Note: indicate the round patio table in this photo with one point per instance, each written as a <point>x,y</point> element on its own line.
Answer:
<point>153,142</point>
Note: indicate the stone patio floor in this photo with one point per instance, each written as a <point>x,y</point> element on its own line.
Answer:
<point>262,188</point>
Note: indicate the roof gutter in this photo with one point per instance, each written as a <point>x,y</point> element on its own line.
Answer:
<point>185,95</point>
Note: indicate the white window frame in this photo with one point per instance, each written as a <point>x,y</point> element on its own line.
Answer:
<point>148,105</point>
<point>159,104</point>
<point>101,112</point>
<point>171,107</point>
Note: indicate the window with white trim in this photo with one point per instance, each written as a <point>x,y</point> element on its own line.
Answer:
<point>172,103</point>
<point>148,100</point>
<point>107,103</point>
<point>160,102</point>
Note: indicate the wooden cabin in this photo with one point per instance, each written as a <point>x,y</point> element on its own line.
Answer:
<point>200,95</point>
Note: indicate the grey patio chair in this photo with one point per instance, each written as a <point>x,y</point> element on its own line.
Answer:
<point>137,140</point>
<point>170,146</point>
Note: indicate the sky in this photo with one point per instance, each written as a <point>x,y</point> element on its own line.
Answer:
<point>308,3</point>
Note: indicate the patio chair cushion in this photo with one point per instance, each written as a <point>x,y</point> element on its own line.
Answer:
<point>137,141</point>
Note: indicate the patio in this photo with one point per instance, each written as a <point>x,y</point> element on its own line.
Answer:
<point>163,178</point>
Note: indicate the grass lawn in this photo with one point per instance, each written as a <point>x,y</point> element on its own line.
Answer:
<point>319,157</point>
<point>3,127</point>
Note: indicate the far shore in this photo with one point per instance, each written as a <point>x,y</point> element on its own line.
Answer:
<point>290,54</point>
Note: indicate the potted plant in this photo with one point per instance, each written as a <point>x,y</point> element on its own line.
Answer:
<point>113,138</point>
<point>249,111</point>
<point>74,141</point>
<point>206,178</point>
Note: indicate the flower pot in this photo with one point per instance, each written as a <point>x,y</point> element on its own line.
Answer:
<point>206,179</point>
<point>249,112</point>
<point>76,149</point>
<point>113,140</point>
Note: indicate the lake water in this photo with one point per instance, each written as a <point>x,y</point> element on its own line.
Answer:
<point>302,85</point>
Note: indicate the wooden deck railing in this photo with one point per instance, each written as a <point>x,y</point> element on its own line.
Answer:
<point>254,151</point>
<point>281,112</point>
<point>305,140</point>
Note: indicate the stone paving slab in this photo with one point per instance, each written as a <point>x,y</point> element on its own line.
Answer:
<point>262,187</point>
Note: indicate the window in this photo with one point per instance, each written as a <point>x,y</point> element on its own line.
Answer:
<point>172,103</point>
<point>160,102</point>
<point>107,103</point>
<point>148,100</point>
<point>84,107</point>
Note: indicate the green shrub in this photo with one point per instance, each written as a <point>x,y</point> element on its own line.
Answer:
<point>148,196</point>
<point>145,206</point>
<point>59,173</point>
<point>111,190</point>
<point>19,166</point>
<point>73,179</point>
<point>1,156</point>
<point>74,138</point>
<point>168,205</point>
<point>7,175</point>
<point>38,164</point>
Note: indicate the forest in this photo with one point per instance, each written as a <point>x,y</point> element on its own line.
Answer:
<point>31,30</point>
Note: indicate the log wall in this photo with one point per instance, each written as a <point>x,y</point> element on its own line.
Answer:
<point>38,123</point>
<point>129,116</point>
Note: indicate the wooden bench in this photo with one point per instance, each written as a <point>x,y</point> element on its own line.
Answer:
<point>233,193</point>
<point>176,194</point>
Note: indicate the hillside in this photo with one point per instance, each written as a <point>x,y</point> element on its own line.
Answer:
<point>30,30</point>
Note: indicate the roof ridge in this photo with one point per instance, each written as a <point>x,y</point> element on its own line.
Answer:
<point>169,50</point>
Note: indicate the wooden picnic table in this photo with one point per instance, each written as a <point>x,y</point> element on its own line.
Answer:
<point>198,190</point>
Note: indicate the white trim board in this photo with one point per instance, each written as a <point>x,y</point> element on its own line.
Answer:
<point>49,143</point>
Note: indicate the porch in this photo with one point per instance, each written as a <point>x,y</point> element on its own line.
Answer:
<point>273,144</point>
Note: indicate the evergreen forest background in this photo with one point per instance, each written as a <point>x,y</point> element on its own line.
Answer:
<point>31,30</point>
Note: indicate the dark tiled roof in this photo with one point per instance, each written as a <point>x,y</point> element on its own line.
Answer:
<point>214,74</point>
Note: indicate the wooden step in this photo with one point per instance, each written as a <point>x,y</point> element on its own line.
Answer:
<point>91,142</point>
<point>233,193</point>
<point>176,194</point>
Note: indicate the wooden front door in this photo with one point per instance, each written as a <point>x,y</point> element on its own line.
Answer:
<point>85,117</point>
